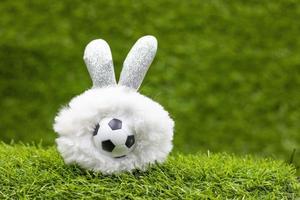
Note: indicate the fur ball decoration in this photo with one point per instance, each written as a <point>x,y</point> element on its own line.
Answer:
<point>111,127</point>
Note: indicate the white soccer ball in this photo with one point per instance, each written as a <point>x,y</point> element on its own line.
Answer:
<point>113,137</point>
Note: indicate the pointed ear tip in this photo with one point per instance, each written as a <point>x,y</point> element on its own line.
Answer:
<point>95,45</point>
<point>152,37</point>
<point>149,38</point>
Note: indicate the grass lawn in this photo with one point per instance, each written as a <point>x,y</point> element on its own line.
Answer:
<point>35,172</point>
<point>228,71</point>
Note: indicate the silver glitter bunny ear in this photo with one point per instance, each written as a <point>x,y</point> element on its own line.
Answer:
<point>138,61</point>
<point>98,59</point>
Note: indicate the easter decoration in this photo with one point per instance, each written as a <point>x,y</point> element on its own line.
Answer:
<point>111,127</point>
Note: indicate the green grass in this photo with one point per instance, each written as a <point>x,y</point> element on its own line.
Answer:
<point>228,71</point>
<point>34,172</point>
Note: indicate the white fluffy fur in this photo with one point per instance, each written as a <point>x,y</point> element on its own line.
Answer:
<point>75,124</point>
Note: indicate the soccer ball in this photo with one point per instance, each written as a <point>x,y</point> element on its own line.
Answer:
<point>113,137</point>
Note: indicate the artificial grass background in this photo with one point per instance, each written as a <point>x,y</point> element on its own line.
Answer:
<point>228,71</point>
<point>34,172</point>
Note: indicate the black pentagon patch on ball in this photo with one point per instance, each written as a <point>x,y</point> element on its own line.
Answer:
<point>107,145</point>
<point>130,141</point>
<point>115,124</point>
<point>96,130</point>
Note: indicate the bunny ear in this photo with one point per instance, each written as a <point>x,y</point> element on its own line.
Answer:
<point>138,61</point>
<point>98,59</point>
